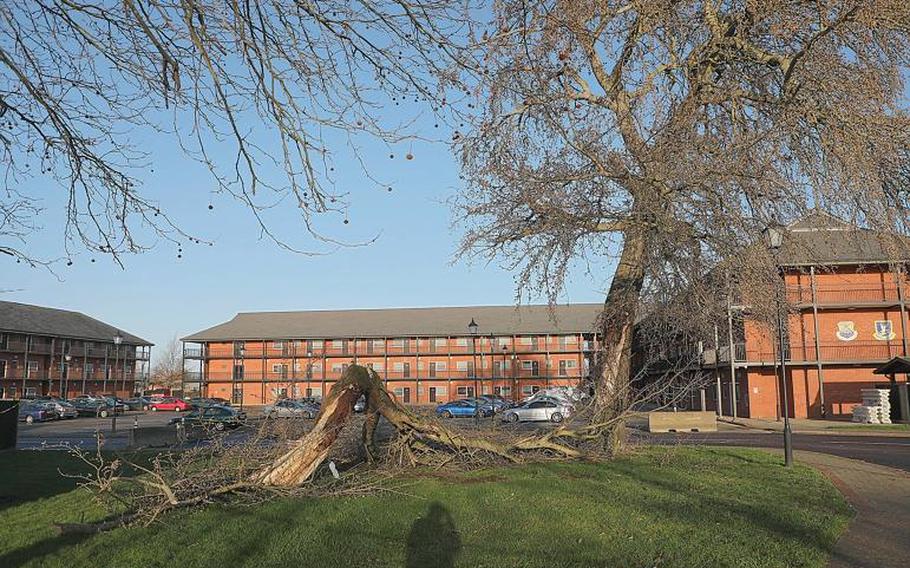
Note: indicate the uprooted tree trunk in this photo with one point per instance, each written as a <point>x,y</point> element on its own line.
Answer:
<point>300,462</point>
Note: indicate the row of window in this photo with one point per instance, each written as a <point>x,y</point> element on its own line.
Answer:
<point>33,368</point>
<point>75,346</point>
<point>404,343</point>
<point>433,366</point>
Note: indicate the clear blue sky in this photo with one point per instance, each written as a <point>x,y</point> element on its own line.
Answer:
<point>157,296</point>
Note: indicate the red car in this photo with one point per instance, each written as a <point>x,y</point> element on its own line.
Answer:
<point>175,404</point>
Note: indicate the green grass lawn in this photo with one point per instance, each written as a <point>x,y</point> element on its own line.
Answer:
<point>658,508</point>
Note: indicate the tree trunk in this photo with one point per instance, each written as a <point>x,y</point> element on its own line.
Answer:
<point>612,383</point>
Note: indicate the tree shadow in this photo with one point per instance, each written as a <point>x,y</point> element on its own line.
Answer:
<point>433,541</point>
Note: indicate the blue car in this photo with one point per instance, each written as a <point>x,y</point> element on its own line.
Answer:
<point>463,407</point>
<point>30,412</point>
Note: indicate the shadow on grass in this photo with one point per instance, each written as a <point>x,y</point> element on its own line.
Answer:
<point>40,549</point>
<point>433,541</point>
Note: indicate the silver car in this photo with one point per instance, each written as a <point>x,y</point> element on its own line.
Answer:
<point>291,409</point>
<point>538,410</point>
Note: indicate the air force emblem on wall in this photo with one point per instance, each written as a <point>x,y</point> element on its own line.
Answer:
<point>884,331</point>
<point>846,331</point>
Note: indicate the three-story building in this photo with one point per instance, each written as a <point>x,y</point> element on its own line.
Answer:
<point>48,351</point>
<point>425,355</point>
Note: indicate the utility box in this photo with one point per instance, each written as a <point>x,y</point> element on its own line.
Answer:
<point>9,423</point>
<point>689,421</point>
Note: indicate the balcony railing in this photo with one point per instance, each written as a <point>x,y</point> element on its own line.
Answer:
<point>846,294</point>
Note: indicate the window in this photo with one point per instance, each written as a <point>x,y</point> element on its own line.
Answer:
<point>462,341</point>
<point>278,345</point>
<point>4,340</point>
<point>439,342</point>
<point>398,342</point>
<point>528,390</point>
<point>569,339</point>
<point>461,365</point>
<point>338,368</point>
<point>375,366</point>
<point>527,365</point>
<point>2,369</point>
<point>32,368</point>
<point>462,391</point>
<point>89,370</point>
<point>31,392</point>
<point>338,344</point>
<point>314,344</point>
<point>503,341</point>
<point>503,391</point>
<point>378,344</point>
<point>398,367</point>
<point>525,340</point>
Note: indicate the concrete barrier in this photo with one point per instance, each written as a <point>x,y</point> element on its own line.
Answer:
<point>682,421</point>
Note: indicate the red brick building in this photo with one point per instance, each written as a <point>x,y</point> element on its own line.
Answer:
<point>848,317</point>
<point>46,351</point>
<point>426,355</point>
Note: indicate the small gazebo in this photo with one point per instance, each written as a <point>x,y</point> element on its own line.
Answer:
<point>896,366</point>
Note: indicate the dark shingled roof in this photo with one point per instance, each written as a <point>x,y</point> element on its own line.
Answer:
<point>404,322</point>
<point>820,239</point>
<point>38,320</point>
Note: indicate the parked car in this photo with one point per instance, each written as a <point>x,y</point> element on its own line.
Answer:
<point>205,402</point>
<point>463,407</point>
<point>88,406</point>
<point>361,404</point>
<point>497,402</point>
<point>541,409</point>
<point>30,412</point>
<point>216,417</point>
<point>116,403</point>
<point>289,408</point>
<point>62,408</point>
<point>138,403</point>
<point>169,403</point>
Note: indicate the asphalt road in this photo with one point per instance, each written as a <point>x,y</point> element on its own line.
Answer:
<point>882,450</point>
<point>83,431</point>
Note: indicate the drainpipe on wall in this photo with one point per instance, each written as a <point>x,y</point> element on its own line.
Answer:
<point>818,351</point>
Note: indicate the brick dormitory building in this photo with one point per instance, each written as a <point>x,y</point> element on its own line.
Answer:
<point>425,355</point>
<point>847,300</point>
<point>47,351</point>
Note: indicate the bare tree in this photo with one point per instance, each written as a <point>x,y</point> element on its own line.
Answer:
<point>665,136</point>
<point>168,368</point>
<point>263,94</point>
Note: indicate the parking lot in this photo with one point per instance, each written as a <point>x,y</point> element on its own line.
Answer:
<point>84,431</point>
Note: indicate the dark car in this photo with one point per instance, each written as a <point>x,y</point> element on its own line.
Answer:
<point>215,417</point>
<point>30,412</point>
<point>91,407</point>
<point>207,402</point>
<point>137,403</point>
<point>116,403</point>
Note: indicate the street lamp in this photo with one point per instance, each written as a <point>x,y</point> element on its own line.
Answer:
<point>472,327</point>
<point>774,238</point>
<point>309,373</point>
<point>66,375</point>
<point>118,339</point>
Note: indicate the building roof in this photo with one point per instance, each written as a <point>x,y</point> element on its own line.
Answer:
<point>38,320</point>
<point>821,239</point>
<point>404,322</point>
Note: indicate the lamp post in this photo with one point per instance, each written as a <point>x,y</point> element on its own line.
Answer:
<point>118,339</point>
<point>472,327</point>
<point>66,375</point>
<point>774,238</point>
<point>505,348</point>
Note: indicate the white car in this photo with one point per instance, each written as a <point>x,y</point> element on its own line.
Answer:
<point>541,409</point>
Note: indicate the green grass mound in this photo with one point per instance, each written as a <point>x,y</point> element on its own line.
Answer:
<point>657,508</point>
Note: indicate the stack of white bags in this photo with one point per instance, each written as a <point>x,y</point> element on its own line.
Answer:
<point>876,408</point>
